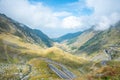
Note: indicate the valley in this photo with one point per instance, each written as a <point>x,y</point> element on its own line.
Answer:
<point>29,54</point>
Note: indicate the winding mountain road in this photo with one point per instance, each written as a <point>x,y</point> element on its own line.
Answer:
<point>64,73</point>
<point>60,73</point>
<point>26,76</point>
<point>69,73</point>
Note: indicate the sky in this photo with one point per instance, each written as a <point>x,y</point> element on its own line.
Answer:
<point>59,17</point>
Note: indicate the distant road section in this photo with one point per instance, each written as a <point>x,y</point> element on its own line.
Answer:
<point>60,73</point>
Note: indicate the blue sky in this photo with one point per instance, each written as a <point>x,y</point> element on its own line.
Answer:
<point>58,17</point>
<point>55,2</point>
<point>67,5</point>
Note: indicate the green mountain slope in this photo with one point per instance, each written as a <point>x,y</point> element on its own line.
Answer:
<point>72,44</point>
<point>102,40</point>
<point>67,37</point>
<point>91,41</point>
<point>26,54</point>
<point>101,48</point>
<point>8,25</point>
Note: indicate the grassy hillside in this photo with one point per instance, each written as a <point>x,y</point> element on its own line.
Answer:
<point>28,51</point>
<point>14,50</point>
<point>92,45</point>
<point>7,25</point>
<point>67,37</point>
<point>102,40</point>
<point>23,56</point>
<point>73,44</point>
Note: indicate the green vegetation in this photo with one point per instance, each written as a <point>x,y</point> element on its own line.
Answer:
<point>41,70</point>
<point>24,53</point>
<point>27,53</point>
<point>109,72</point>
<point>102,40</point>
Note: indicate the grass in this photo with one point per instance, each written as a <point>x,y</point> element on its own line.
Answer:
<point>73,44</point>
<point>41,70</point>
<point>109,72</point>
<point>9,71</point>
<point>101,41</point>
<point>29,53</point>
<point>17,51</point>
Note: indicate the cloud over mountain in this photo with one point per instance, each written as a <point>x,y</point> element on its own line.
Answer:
<point>79,15</point>
<point>106,12</point>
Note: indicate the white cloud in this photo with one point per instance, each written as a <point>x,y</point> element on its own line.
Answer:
<point>62,14</point>
<point>71,22</point>
<point>103,24</point>
<point>104,7</point>
<point>34,15</point>
<point>37,15</point>
<point>106,21</point>
<point>106,12</point>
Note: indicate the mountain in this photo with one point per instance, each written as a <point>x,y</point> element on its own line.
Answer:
<point>13,27</point>
<point>101,48</point>
<point>25,54</point>
<point>91,41</point>
<point>67,36</point>
<point>102,40</point>
<point>28,54</point>
<point>74,42</point>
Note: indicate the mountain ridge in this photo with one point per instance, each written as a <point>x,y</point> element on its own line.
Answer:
<point>92,41</point>
<point>23,51</point>
<point>9,25</point>
<point>104,38</point>
<point>67,36</point>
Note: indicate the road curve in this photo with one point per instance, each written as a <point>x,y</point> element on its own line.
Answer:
<point>60,73</point>
<point>64,73</point>
<point>26,76</point>
<point>69,73</point>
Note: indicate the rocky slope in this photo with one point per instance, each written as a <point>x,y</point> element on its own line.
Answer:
<point>102,40</point>
<point>10,26</point>
<point>94,44</point>
<point>30,54</point>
